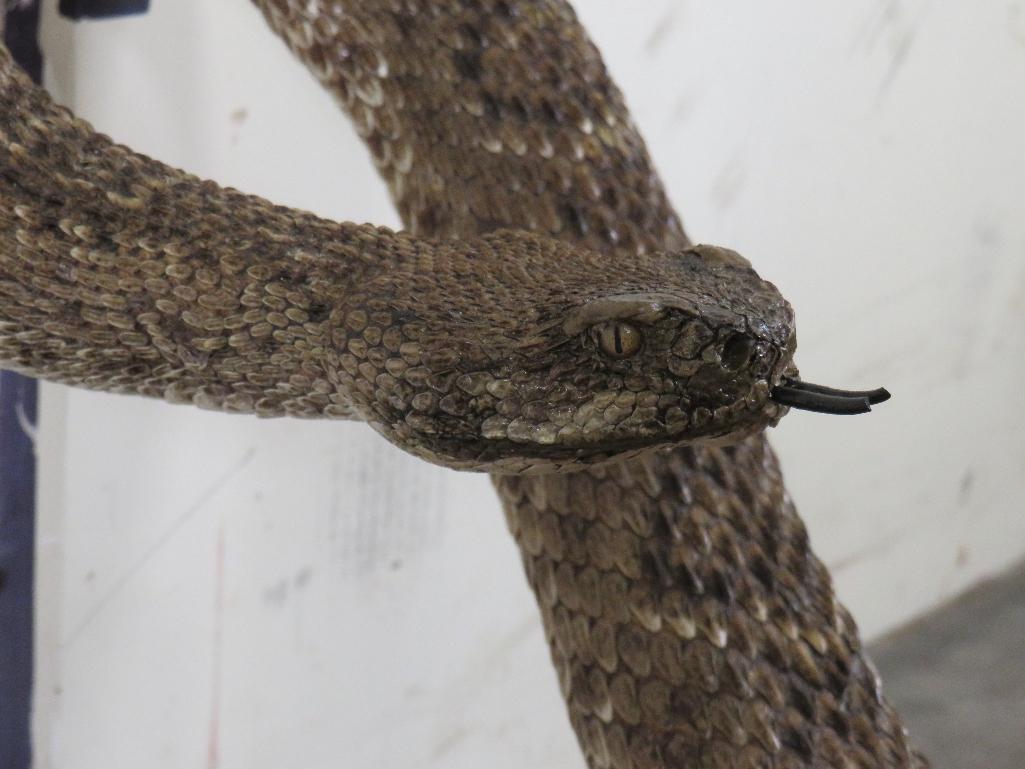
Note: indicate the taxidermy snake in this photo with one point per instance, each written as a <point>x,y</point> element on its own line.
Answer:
<point>543,317</point>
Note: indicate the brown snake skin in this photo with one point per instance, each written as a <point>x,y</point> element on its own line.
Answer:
<point>689,621</point>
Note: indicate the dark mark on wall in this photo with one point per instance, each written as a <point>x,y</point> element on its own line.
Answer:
<point>964,493</point>
<point>891,29</point>
<point>963,556</point>
<point>450,741</point>
<point>277,594</point>
<point>874,550</point>
<point>237,119</point>
<point>899,50</point>
<point>662,27</point>
<point>684,107</point>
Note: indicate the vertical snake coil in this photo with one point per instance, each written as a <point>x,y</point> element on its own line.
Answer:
<point>689,622</point>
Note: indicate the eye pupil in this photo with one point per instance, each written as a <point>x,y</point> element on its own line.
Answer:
<point>618,340</point>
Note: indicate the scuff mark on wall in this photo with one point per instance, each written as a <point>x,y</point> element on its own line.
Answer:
<point>891,29</point>
<point>159,544</point>
<point>964,493</point>
<point>963,557</point>
<point>683,108</point>
<point>729,182</point>
<point>277,594</point>
<point>899,50</point>
<point>449,741</point>
<point>236,120</point>
<point>375,526</point>
<point>876,549</point>
<point>663,26</point>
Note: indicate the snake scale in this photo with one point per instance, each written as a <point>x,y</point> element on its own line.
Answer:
<point>543,317</point>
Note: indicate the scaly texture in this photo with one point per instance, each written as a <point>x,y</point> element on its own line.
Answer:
<point>123,274</point>
<point>689,621</point>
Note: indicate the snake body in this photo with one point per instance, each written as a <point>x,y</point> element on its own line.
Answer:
<point>543,317</point>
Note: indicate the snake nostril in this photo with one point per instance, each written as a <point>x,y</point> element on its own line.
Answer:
<point>736,351</point>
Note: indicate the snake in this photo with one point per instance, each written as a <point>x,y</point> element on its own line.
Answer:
<point>542,317</point>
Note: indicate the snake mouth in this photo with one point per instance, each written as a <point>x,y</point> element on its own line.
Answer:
<point>826,400</point>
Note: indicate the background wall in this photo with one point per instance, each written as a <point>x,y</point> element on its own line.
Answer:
<point>219,591</point>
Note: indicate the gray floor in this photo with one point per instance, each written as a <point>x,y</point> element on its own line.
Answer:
<point>958,677</point>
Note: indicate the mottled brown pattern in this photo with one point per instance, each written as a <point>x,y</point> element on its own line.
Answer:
<point>690,624</point>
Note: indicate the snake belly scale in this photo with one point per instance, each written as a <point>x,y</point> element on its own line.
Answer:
<point>543,317</point>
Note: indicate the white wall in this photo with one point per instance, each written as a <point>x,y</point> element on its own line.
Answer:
<point>223,592</point>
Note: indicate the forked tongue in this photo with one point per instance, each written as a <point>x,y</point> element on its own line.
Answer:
<point>826,400</point>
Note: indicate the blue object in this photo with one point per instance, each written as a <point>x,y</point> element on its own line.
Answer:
<point>20,37</point>
<point>17,565</point>
<point>101,9</point>
<point>18,492</point>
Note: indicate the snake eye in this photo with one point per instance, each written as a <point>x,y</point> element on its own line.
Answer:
<point>618,339</point>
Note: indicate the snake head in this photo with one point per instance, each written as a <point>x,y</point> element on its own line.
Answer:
<point>518,353</point>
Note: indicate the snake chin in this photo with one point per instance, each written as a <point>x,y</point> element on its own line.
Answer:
<point>727,426</point>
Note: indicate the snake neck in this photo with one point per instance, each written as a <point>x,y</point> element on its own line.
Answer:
<point>689,621</point>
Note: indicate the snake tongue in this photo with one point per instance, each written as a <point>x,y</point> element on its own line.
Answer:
<point>827,400</point>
